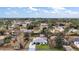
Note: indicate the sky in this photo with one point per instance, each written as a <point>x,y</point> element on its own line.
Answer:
<point>41,12</point>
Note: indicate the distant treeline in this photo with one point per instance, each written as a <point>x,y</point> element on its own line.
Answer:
<point>39,18</point>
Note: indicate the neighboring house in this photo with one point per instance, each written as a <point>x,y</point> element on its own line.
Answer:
<point>57,29</point>
<point>73,31</point>
<point>27,31</point>
<point>19,23</point>
<point>12,26</point>
<point>24,24</point>
<point>36,30</point>
<point>43,25</point>
<point>7,33</point>
<point>2,40</point>
<point>12,32</point>
<point>28,22</point>
<point>40,40</point>
<point>76,42</point>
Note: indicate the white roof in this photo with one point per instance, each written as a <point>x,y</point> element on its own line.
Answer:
<point>52,37</point>
<point>44,24</point>
<point>2,37</point>
<point>25,30</point>
<point>76,44</point>
<point>40,39</point>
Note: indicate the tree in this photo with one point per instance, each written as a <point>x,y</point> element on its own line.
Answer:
<point>29,26</point>
<point>8,23</point>
<point>59,41</point>
<point>2,32</point>
<point>1,23</point>
<point>45,31</point>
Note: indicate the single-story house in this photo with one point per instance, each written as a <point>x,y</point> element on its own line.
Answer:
<point>27,31</point>
<point>40,40</point>
<point>2,39</point>
<point>73,30</point>
<point>43,25</point>
<point>36,30</point>
<point>76,42</point>
<point>28,22</point>
<point>57,29</point>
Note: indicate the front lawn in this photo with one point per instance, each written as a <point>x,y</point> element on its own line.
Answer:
<point>45,47</point>
<point>55,49</point>
<point>42,47</point>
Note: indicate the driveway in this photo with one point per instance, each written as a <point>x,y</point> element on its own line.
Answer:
<point>32,47</point>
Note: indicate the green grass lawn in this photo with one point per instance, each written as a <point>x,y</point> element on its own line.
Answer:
<point>55,49</point>
<point>45,47</point>
<point>42,47</point>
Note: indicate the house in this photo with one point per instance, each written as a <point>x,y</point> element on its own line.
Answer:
<point>73,31</point>
<point>12,26</point>
<point>76,42</point>
<point>43,25</point>
<point>57,29</point>
<point>2,39</point>
<point>40,40</point>
<point>27,31</point>
<point>19,23</point>
<point>28,22</point>
<point>7,33</point>
<point>25,24</point>
<point>36,30</point>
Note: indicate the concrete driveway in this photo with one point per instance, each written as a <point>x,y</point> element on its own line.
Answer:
<point>32,47</point>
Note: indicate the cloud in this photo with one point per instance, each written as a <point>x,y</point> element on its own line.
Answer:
<point>71,12</point>
<point>41,12</point>
<point>8,8</point>
<point>33,9</point>
<point>46,11</point>
<point>60,10</point>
